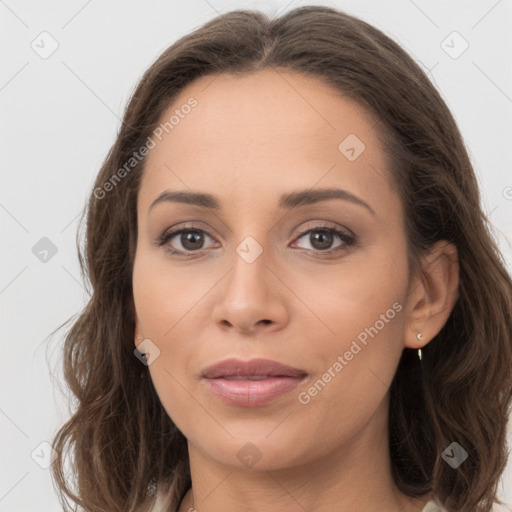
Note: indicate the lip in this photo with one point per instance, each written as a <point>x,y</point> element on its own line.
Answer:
<point>251,383</point>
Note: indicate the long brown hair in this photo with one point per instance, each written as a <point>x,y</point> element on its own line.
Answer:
<point>120,437</point>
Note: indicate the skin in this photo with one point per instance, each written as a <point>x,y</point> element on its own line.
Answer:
<point>250,139</point>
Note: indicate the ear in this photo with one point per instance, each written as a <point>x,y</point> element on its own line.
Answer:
<point>433,293</point>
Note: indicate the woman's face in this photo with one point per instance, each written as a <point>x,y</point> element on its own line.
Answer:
<point>256,275</point>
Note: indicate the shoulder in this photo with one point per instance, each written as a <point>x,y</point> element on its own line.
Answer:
<point>502,508</point>
<point>432,506</point>
<point>161,504</point>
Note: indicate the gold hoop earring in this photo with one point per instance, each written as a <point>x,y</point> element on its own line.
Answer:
<point>419,337</point>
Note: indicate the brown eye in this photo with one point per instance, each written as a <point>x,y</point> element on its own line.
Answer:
<point>191,240</point>
<point>322,238</point>
<point>184,241</point>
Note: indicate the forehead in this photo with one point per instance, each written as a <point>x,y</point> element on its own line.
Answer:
<point>266,131</point>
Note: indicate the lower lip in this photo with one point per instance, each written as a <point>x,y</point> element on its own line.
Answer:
<point>252,393</point>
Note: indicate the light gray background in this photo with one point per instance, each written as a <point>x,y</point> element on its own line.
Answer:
<point>60,115</point>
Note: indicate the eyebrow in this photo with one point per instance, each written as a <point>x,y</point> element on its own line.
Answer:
<point>289,200</point>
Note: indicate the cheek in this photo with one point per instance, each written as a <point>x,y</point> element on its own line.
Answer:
<point>356,365</point>
<point>359,332</point>
<point>163,295</point>
<point>346,300</point>
<point>165,299</point>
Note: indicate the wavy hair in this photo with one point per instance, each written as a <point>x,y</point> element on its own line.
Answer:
<point>121,441</point>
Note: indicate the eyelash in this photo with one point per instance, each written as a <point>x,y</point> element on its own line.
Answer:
<point>349,240</point>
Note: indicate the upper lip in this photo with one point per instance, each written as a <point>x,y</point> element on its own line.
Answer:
<point>254,367</point>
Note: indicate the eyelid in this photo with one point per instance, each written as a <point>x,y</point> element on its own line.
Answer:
<point>317,225</point>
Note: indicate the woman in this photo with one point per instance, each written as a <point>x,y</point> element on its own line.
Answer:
<point>297,303</point>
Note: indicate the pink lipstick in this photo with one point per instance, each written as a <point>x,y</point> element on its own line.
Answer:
<point>251,383</point>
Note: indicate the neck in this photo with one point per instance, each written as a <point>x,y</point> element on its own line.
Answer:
<point>356,477</point>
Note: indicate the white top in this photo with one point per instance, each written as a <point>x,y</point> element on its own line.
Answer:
<point>431,506</point>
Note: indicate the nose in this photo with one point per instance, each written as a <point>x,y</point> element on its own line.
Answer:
<point>251,298</point>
